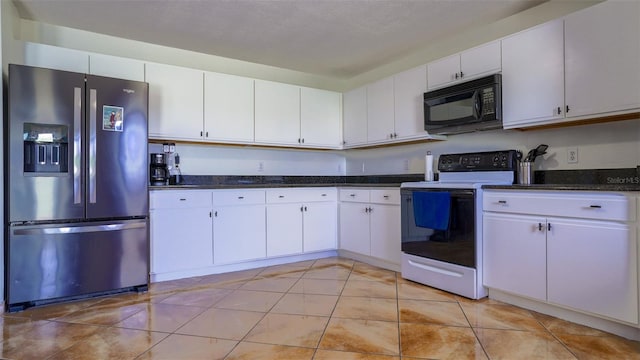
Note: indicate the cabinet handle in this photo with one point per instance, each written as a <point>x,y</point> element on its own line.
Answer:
<point>503,202</point>
<point>366,210</point>
<point>200,133</point>
<point>303,140</point>
<point>215,214</point>
<point>549,227</point>
<point>461,74</point>
<point>456,76</point>
<point>240,197</point>
<point>281,196</point>
<point>559,110</point>
<point>370,209</point>
<point>301,208</point>
<point>385,196</point>
<point>210,214</point>
<point>183,199</point>
<point>352,195</point>
<point>207,134</point>
<point>323,195</point>
<point>595,207</point>
<point>567,108</point>
<point>305,208</point>
<point>539,226</point>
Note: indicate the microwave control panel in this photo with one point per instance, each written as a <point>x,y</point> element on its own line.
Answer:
<point>482,161</point>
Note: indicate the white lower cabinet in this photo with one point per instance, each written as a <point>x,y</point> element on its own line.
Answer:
<point>301,220</point>
<point>556,247</point>
<point>181,231</point>
<point>370,222</point>
<point>239,227</point>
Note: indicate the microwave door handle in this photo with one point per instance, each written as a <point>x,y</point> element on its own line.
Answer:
<point>477,105</point>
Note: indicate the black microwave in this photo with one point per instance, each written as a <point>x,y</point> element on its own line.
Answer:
<point>470,106</point>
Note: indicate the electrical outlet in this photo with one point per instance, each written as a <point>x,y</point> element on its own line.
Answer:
<point>572,155</point>
<point>260,166</point>
<point>406,165</point>
<point>363,167</point>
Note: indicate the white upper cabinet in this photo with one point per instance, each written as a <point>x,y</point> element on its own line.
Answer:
<point>469,64</point>
<point>602,58</point>
<point>175,102</point>
<point>54,57</point>
<point>116,67</point>
<point>355,117</point>
<point>228,108</point>
<point>409,88</point>
<point>380,112</point>
<point>277,113</point>
<point>320,118</point>
<point>533,75</point>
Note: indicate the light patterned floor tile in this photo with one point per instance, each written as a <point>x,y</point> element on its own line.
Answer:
<point>189,348</point>
<point>161,317</point>
<point>346,355</point>
<point>434,312</point>
<point>249,300</point>
<point>284,329</point>
<point>253,351</point>
<point>222,324</point>
<point>439,342</point>
<point>318,286</point>
<point>364,336</point>
<point>369,289</point>
<point>504,317</point>
<point>306,304</point>
<point>367,308</point>
<point>601,347</point>
<point>513,344</point>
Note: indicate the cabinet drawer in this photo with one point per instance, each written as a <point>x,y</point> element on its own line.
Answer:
<point>617,207</point>
<point>386,196</point>
<point>238,197</point>
<point>171,199</point>
<point>300,195</point>
<point>354,195</point>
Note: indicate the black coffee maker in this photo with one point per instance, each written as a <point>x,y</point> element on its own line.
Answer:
<point>158,172</point>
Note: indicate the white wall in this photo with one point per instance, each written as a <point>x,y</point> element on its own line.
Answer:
<point>234,160</point>
<point>600,146</point>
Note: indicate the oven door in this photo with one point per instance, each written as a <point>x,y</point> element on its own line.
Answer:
<point>439,224</point>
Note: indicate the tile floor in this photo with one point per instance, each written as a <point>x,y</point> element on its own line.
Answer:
<point>332,308</point>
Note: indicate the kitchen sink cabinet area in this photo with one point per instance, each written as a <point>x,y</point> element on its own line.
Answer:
<point>301,220</point>
<point>575,251</point>
<point>370,224</point>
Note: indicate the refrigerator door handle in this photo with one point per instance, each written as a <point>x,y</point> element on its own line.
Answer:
<point>79,229</point>
<point>77,145</point>
<point>93,103</point>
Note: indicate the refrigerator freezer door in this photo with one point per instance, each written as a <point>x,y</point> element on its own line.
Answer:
<point>45,151</point>
<point>65,260</point>
<point>117,148</point>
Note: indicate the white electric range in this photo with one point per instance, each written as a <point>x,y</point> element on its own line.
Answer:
<point>442,221</point>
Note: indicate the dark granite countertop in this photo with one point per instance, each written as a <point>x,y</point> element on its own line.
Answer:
<point>192,182</point>
<point>573,187</point>
<point>625,179</point>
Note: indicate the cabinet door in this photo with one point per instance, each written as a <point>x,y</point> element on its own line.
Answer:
<point>116,67</point>
<point>175,102</point>
<point>443,72</point>
<point>239,233</point>
<point>592,267</point>
<point>514,254</point>
<point>602,57</point>
<point>228,108</point>
<point>277,113</point>
<point>320,226</point>
<point>54,57</point>
<point>320,118</point>
<point>284,229</point>
<point>385,232</point>
<point>355,117</point>
<point>354,228</point>
<point>380,113</point>
<point>409,88</point>
<point>180,239</point>
<point>479,61</point>
<point>533,75</point>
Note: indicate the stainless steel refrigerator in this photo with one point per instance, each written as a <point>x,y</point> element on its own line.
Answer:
<point>76,183</point>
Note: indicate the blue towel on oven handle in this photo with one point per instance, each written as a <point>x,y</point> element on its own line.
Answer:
<point>431,209</point>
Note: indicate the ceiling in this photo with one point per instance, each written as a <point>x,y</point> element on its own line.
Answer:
<point>334,38</point>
